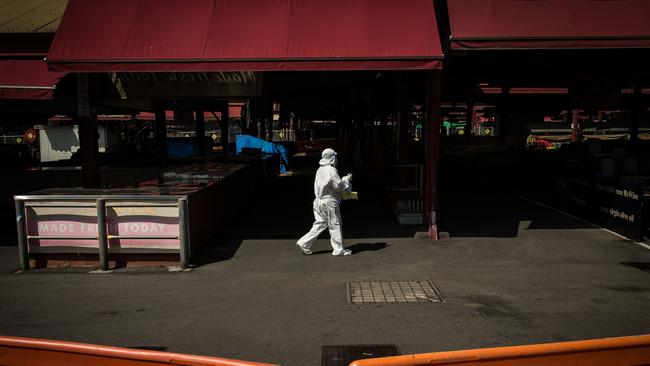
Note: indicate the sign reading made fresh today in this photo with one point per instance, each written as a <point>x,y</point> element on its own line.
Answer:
<point>55,224</point>
<point>188,84</point>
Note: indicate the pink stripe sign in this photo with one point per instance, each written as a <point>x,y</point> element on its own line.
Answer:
<point>61,225</point>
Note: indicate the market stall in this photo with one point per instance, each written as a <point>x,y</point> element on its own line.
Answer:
<point>166,219</point>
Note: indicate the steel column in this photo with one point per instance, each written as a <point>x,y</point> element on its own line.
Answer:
<point>432,125</point>
<point>504,111</point>
<point>468,119</point>
<point>23,252</point>
<point>575,125</point>
<point>225,128</point>
<point>160,128</point>
<point>199,129</point>
<point>636,113</point>
<point>102,235</point>
<point>184,233</point>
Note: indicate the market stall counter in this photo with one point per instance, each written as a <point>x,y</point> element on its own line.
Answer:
<point>160,221</point>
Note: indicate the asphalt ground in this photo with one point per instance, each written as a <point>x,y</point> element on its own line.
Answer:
<point>538,277</point>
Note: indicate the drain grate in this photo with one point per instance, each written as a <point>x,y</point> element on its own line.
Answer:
<point>389,292</point>
<point>344,355</point>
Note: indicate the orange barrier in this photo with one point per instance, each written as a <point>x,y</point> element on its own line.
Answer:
<point>623,351</point>
<point>16,351</point>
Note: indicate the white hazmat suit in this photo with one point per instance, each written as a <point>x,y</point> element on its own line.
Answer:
<point>328,187</point>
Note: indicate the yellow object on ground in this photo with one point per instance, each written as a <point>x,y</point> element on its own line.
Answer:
<point>349,196</point>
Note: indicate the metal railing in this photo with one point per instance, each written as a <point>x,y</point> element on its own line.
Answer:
<point>100,202</point>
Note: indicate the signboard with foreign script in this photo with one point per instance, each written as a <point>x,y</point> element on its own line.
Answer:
<point>618,204</point>
<point>178,85</point>
<point>609,201</point>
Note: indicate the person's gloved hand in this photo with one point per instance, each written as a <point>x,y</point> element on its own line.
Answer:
<point>348,177</point>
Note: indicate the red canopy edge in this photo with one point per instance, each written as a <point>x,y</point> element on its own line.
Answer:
<point>27,79</point>
<point>549,24</point>
<point>199,66</point>
<point>9,93</point>
<point>467,44</point>
<point>245,35</point>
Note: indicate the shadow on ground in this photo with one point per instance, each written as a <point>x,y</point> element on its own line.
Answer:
<point>358,248</point>
<point>7,226</point>
<point>284,212</point>
<point>643,266</point>
<point>480,197</point>
<point>476,200</point>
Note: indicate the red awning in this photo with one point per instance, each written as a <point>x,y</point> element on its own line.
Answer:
<point>245,35</point>
<point>549,24</point>
<point>27,79</point>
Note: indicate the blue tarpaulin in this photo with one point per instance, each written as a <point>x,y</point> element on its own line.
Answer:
<point>266,147</point>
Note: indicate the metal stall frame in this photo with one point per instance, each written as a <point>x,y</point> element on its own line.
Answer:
<point>101,202</point>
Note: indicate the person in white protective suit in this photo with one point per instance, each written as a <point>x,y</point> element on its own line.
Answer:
<point>328,187</point>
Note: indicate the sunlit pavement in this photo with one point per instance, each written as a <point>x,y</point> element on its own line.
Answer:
<point>254,296</point>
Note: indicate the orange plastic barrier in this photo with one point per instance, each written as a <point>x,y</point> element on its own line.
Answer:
<point>623,351</point>
<point>16,351</point>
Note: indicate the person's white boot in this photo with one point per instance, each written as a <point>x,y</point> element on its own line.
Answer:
<point>345,252</point>
<point>304,250</point>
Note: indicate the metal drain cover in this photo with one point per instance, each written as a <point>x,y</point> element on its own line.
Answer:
<point>393,292</point>
<point>344,355</point>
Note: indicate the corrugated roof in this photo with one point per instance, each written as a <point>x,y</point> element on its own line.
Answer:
<point>31,16</point>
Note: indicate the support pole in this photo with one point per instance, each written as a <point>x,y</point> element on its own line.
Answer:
<point>88,135</point>
<point>431,126</point>
<point>575,125</point>
<point>225,130</point>
<point>503,115</point>
<point>89,151</point>
<point>468,120</point>
<point>102,235</point>
<point>404,126</point>
<point>23,252</point>
<point>183,233</point>
<point>199,128</point>
<point>160,134</point>
<point>346,127</point>
<point>369,131</point>
<point>636,114</point>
